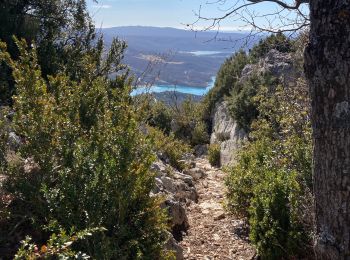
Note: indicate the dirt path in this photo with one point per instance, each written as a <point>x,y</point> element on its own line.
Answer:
<point>213,234</point>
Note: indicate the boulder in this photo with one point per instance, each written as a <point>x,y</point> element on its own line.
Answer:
<point>14,141</point>
<point>278,64</point>
<point>174,126</point>
<point>171,181</point>
<point>196,173</point>
<point>159,168</point>
<point>178,190</point>
<point>247,72</point>
<point>172,245</point>
<point>178,221</point>
<point>201,150</point>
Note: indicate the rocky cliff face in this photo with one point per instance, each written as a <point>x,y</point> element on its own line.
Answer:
<point>226,132</point>
<point>278,64</point>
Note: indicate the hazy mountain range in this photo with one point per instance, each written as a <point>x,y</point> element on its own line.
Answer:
<point>171,56</point>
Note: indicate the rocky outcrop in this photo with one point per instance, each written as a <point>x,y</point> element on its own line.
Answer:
<point>278,64</point>
<point>226,133</point>
<point>224,129</point>
<point>179,191</point>
<point>170,181</point>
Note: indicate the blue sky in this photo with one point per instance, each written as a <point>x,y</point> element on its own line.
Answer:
<point>161,13</point>
<point>165,13</point>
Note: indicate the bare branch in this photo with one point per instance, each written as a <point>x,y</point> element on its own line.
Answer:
<point>283,4</point>
<point>287,17</point>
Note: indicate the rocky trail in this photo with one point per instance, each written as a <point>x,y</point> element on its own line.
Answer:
<point>213,233</point>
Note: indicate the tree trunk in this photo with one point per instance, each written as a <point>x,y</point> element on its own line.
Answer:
<point>327,68</point>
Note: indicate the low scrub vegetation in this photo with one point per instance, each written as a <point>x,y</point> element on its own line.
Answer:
<point>183,120</point>
<point>214,155</point>
<point>82,169</point>
<point>271,183</point>
<point>228,85</point>
<point>169,148</point>
<point>242,102</point>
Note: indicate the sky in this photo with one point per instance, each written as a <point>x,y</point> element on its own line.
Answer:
<point>165,13</point>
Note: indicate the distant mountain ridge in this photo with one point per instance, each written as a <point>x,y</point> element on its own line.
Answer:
<point>163,31</point>
<point>177,55</point>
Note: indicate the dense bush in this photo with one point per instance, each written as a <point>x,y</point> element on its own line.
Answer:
<point>226,79</point>
<point>214,155</point>
<point>200,134</point>
<point>242,104</point>
<point>169,147</point>
<point>183,119</point>
<point>271,183</point>
<point>83,164</point>
<point>159,115</point>
<point>276,41</point>
<point>62,31</point>
<point>58,246</point>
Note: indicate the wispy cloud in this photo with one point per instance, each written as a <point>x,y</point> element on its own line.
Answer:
<point>101,6</point>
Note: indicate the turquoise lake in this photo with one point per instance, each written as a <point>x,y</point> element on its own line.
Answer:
<point>200,91</point>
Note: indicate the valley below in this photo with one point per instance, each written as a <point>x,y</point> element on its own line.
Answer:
<point>168,57</point>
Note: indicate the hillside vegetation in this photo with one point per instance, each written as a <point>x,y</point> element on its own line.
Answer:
<point>89,171</point>
<point>270,184</point>
<point>75,178</point>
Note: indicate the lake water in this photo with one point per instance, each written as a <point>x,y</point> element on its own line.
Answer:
<point>200,91</point>
<point>205,53</point>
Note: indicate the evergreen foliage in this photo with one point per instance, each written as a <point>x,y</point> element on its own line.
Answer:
<point>276,41</point>
<point>243,107</point>
<point>226,80</point>
<point>183,120</point>
<point>271,182</point>
<point>83,163</point>
<point>169,147</point>
<point>189,125</point>
<point>62,31</point>
<point>214,155</point>
<point>159,115</point>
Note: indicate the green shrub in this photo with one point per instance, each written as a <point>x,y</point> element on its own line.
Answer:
<point>275,229</point>
<point>200,134</point>
<point>85,165</point>
<point>242,103</point>
<point>271,181</point>
<point>214,155</point>
<point>169,147</point>
<point>59,246</point>
<point>245,176</point>
<point>276,41</point>
<point>188,125</point>
<point>160,115</point>
<point>226,80</point>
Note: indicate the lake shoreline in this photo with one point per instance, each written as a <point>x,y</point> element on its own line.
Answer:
<point>198,91</point>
